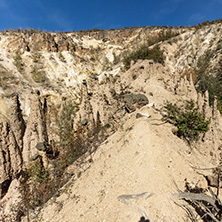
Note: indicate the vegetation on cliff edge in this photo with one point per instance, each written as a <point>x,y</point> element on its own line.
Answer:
<point>189,121</point>
<point>144,52</point>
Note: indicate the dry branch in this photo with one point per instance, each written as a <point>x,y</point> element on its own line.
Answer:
<point>196,197</point>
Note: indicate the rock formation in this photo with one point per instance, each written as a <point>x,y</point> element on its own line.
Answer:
<point>87,68</point>
<point>11,143</point>
<point>35,131</point>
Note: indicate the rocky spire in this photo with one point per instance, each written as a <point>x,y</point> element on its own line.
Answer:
<point>86,108</point>
<point>10,154</point>
<point>35,131</point>
<point>17,122</point>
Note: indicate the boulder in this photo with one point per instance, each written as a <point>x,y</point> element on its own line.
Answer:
<point>133,101</point>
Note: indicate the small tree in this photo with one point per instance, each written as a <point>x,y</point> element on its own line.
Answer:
<point>188,120</point>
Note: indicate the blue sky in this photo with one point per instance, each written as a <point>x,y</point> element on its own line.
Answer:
<point>69,15</point>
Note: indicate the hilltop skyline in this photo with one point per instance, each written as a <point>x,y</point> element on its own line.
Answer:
<point>72,15</point>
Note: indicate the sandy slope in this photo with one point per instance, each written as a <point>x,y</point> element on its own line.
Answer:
<point>140,157</point>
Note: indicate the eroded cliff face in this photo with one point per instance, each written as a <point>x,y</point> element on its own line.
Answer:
<point>12,132</point>
<point>11,159</point>
<point>35,130</point>
<point>41,72</point>
<point>143,155</point>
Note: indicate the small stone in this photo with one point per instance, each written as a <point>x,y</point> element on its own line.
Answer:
<point>34,157</point>
<point>93,76</point>
<point>134,100</point>
<point>90,93</point>
<point>84,122</point>
<point>37,91</point>
<point>150,105</point>
<point>64,98</point>
<point>174,130</point>
<point>146,114</point>
<point>139,115</point>
<point>113,92</point>
<point>41,146</point>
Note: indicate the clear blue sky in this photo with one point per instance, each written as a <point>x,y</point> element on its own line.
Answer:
<point>68,15</point>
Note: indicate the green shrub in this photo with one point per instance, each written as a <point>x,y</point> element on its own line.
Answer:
<point>39,76</point>
<point>144,52</point>
<point>37,186</point>
<point>18,62</point>
<point>219,46</point>
<point>189,121</point>
<point>107,65</point>
<point>73,143</point>
<point>37,172</point>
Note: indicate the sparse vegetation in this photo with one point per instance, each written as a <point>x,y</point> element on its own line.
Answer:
<point>42,184</point>
<point>6,78</point>
<point>189,121</point>
<point>18,62</point>
<point>37,172</point>
<point>144,52</point>
<point>71,142</point>
<point>209,78</point>
<point>116,58</point>
<point>39,76</point>
<point>36,187</point>
<point>162,36</point>
<point>36,58</point>
<point>206,23</point>
<point>107,65</point>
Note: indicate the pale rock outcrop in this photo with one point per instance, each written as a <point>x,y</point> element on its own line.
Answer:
<point>11,135</point>
<point>12,205</point>
<point>10,154</point>
<point>102,104</point>
<point>185,87</point>
<point>11,142</point>
<point>86,110</point>
<point>17,122</point>
<point>207,110</point>
<point>35,131</point>
<point>106,101</point>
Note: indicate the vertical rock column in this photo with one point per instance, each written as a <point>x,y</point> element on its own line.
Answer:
<point>35,132</point>
<point>10,154</point>
<point>86,111</point>
<point>11,136</point>
<point>17,122</point>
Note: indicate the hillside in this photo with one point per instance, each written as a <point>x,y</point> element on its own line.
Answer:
<point>142,156</point>
<point>96,126</point>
